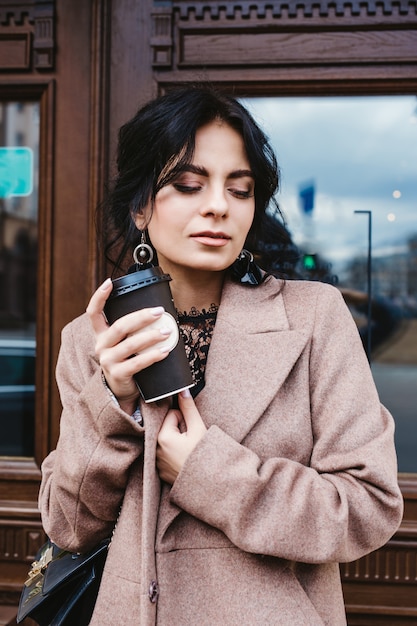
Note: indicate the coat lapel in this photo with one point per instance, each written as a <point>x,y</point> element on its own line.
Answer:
<point>252,352</point>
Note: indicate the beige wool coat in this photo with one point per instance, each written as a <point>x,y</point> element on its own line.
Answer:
<point>296,473</point>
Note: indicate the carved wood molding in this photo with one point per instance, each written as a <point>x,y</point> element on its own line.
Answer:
<point>21,536</point>
<point>281,9</point>
<point>27,34</point>
<point>396,562</point>
<point>388,565</point>
<point>20,542</point>
<point>161,37</point>
<point>226,34</point>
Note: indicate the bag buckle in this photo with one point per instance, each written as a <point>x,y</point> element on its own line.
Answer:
<point>38,567</point>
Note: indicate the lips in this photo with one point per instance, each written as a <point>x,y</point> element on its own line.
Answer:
<point>211,234</point>
<point>211,239</point>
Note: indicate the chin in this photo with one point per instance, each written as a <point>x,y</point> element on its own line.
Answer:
<point>198,263</point>
<point>207,268</point>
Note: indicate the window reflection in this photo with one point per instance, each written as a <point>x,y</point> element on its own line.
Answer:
<point>340,157</point>
<point>19,154</point>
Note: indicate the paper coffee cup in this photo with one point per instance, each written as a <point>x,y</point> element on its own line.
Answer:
<point>150,288</point>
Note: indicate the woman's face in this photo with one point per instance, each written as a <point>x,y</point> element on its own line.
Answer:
<point>200,221</point>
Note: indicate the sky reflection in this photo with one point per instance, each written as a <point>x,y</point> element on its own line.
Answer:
<point>358,151</point>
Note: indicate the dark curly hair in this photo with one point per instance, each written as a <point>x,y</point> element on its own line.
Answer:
<point>159,141</point>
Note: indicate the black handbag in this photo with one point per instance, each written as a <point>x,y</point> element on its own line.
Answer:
<point>62,586</point>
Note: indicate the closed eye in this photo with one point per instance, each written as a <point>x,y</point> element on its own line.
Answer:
<point>241,193</point>
<point>186,188</point>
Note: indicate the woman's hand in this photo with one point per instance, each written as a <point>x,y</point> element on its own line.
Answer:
<point>175,446</point>
<point>119,346</point>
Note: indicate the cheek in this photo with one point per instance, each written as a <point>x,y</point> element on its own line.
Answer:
<point>247,221</point>
<point>159,221</point>
<point>164,228</point>
<point>154,232</point>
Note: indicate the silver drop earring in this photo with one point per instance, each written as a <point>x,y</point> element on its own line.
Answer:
<point>143,253</point>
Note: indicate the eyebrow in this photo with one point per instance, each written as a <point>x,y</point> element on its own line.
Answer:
<point>201,171</point>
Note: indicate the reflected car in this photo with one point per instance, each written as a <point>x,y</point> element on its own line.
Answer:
<point>17,396</point>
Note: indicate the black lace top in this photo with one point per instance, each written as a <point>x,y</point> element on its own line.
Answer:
<point>196,329</point>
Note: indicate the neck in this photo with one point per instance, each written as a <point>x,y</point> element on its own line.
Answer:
<point>200,291</point>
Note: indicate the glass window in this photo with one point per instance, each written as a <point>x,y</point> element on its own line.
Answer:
<point>349,197</point>
<point>19,157</point>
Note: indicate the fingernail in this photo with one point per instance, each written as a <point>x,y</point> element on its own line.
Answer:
<point>157,311</point>
<point>165,331</point>
<point>165,350</point>
<point>106,284</point>
<point>185,393</point>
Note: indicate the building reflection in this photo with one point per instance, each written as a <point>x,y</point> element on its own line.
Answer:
<point>19,128</point>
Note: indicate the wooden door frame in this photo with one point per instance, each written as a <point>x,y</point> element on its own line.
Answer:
<point>64,65</point>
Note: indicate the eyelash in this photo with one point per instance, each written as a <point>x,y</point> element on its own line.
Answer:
<point>186,188</point>
<point>241,194</point>
<point>238,193</point>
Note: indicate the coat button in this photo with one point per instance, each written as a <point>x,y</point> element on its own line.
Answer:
<point>153,591</point>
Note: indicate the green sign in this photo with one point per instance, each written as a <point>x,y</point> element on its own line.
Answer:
<point>16,172</point>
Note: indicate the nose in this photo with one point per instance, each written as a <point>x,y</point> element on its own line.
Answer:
<point>215,203</point>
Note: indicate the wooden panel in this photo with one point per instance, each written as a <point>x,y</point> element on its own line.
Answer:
<point>285,48</point>
<point>14,51</point>
<point>395,563</point>
<point>131,50</point>
<point>6,615</point>
<point>34,21</point>
<point>408,485</point>
<point>19,480</point>
<point>258,47</point>
<point>70,284</point>
<point>362,618</point>
<point>20,543</point>
<point>21,536</point>
<point>384,583</point>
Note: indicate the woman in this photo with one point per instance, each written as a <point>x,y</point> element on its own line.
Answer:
<point>237,505</point>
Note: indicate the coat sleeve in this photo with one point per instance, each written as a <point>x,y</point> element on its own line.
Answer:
<point>347,502</point>
<point>84,479</point>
